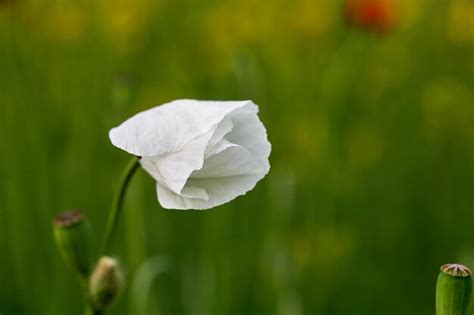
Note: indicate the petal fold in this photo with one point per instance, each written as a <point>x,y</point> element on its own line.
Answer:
<point>169,127</point>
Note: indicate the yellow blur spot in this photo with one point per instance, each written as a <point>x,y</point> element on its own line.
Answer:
<point>310,139</point>
<point>447,106</point>
<point>364,147</point>
<point>461,22</point>
<point>309,18</point>
<point>66,23</point>
<point>124,21</point>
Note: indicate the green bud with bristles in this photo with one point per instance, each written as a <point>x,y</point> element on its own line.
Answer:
<point>106,283</point>
<point>453,290</point>
<point>72,235</point>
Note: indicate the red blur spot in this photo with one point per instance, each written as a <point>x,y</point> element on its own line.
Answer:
<point>373,15</point>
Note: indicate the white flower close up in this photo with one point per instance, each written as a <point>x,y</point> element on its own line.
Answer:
<point>201,153</point>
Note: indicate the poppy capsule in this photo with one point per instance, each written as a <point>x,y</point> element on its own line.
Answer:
<point>453,290</point>
<point>373,15</point>
<point>72,235</point>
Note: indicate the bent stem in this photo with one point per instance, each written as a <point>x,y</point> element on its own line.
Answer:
<point>117,203</point>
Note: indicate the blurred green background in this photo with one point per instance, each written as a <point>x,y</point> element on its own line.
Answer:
<point>372,180</point>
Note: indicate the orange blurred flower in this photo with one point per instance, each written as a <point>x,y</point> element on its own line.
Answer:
<point>373,15</point>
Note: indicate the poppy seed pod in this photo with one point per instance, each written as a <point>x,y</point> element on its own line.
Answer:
<point>453,290</point>
<point>72,234</point>
<point>106,283</point>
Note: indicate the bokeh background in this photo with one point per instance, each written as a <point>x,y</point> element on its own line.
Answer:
<point>370,110</point>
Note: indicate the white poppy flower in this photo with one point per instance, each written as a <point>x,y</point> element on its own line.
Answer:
<point>201,153</point>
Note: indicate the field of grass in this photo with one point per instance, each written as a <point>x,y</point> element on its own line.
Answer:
<point>372,180</point>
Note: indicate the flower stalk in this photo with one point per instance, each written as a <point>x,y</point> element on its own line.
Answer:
<point>117,203</point>
<point>91,310</point>
<point>453,290</point>
<point>72,236</point>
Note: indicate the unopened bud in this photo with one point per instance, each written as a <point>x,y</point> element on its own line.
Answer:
<point>72,236</point>
<point>106,282</point>
<point>453,290</point>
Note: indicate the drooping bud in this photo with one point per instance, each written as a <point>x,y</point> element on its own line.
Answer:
<point>106,283</point>
<point>72,235</point>
<point>453,290</point>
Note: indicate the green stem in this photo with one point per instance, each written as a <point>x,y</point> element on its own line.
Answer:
<point>117,203</point>
<point>90,310</point>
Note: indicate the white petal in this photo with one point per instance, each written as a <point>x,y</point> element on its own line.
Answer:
<point>220,191</point>
<point>218,148</point>
<point>172,170</point>
<point>224,176</point>
<point>250,133</point>
<point>217,139</point>
<point>234,160</point>
<point>169,127</point>
<point>194,193</point>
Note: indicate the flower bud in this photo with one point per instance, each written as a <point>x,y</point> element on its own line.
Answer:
<point>72,235</point>
<point>453,290</point>
<point>106,283</point>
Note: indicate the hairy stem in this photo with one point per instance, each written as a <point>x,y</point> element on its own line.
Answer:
<point>117,203</point>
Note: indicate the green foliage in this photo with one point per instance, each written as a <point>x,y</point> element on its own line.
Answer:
<point>372,177</point>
